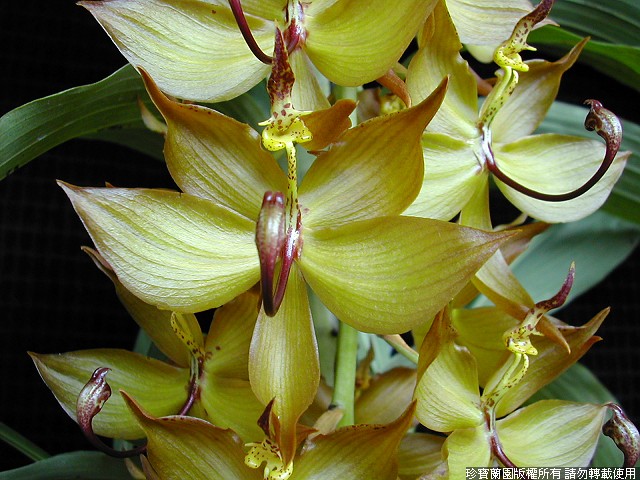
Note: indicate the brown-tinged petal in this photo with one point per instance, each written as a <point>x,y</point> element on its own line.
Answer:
<point>439,56</point>
<point>369,41</point>
<point>357,452</point>
<point>375,169</point>
<point>216,157</point>
<point>173,250</point>
<point>552,433</point>
<point>194,50</point>
<point>327,125</point>
<point>552,359</point>
<point>387,396</point>
<point>187,448</point>
<point>537,89</point>
<point>386,275</point>
<point>419,453</point>
<point>160,387</point>
<point>155,322</point>
<point>283,361</point>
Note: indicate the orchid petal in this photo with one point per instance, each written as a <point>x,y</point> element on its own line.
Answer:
<point>155,322</point>
<point>357,452</point>
<point>170,249</point>
<point>552,433</point>
<point>388,395</point>
<point>448,394</point>
<point>556,164</point>
<point>375,169</point>
<point>283,361</point>
<point>229,336</point>
<point>452,174</point>
<point>194,51</point>
<point>536,90</point>
<point>365,53</point>
<point>419,453</point>
<point>159,386</point>
<point>487,22</point>
<point>187,448</point>
<point>307,93</point>
<point>439,56</point>
<point>215,157</point>
<point>386,275</point>
<point>465,447</point>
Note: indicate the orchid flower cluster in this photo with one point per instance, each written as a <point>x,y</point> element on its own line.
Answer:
<point>386,232</point>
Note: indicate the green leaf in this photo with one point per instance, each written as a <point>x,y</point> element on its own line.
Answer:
<point>597,244</point>
<point>32,129</point>
<point>21,443</point>
<point>78,465</point>
<point>617,60</point>
<point>578,383</point>
<point>624,201</point>
<point>615,21</point>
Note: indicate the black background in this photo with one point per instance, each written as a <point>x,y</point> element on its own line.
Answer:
<point>52,298</point>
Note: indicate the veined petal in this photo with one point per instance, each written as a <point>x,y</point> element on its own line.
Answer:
<point>451,175</point>
<point>437,57</point>
<point>216,157</point>
<point>536,90</point>
<point>187,448</point>
<point>357,452</point>
<point>375,169</point>
<point>419,453</point>
<point>192,50</point>
<point>487,22</point>
<point>267,9</point>
<point>160,387</point>
<point>369,40</point>
<point>447,393</point>
<point>552,433</point>
<point>231,403</point>
<point>465,447</point>
<point>155,322</point>
<point>389,274</point>
<point>388,395</point>
<point>307,94</point>
<point>556,164</point>
<point>173,250</point>
<point>229,337</point>
<point>283,361</point>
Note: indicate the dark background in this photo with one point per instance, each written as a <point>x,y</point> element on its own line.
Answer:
<point>53,299</point>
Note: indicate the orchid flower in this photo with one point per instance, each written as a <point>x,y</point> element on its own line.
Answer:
<point>195,50</point>
<point>207,378</point>
<point>463,146</point>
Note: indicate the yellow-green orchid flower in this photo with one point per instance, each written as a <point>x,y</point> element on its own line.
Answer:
<point>182,447</point>
<point>458,356</point>
<point>462,145</point>
<point>196,51</point>
<point>207,378</point>
<point>340,232</point>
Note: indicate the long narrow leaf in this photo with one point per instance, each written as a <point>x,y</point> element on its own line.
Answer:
<point>617,60</point>
<point>78,465</point>
<point>21,443</point>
